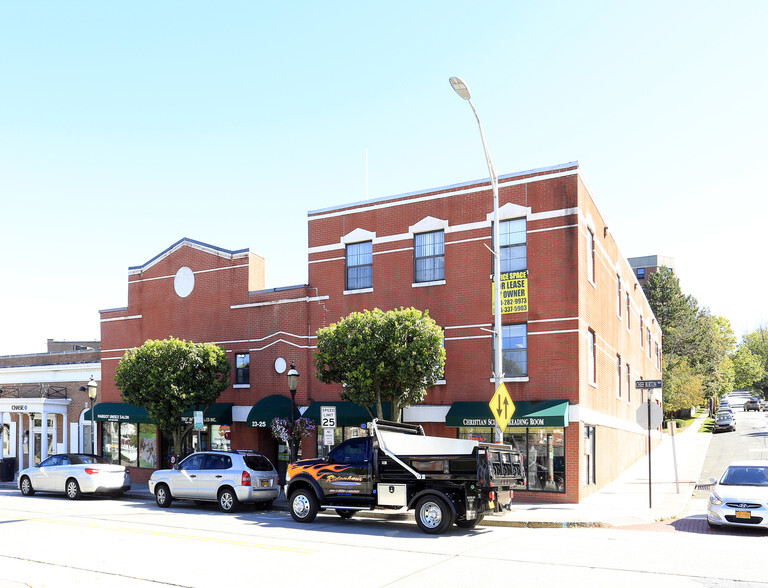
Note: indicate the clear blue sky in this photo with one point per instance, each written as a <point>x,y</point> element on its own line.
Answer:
<point>125,126</point>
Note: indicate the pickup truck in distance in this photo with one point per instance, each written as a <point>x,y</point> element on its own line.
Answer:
<point>444,480</point>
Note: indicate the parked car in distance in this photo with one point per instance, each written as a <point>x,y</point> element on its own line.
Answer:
<point>75,474</point>
<point>724,421</point>
<point>226,477</point>
<point>740,498</point>
<point>752,404</point>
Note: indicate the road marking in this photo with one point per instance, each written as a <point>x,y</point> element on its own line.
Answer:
<point>17,518</point>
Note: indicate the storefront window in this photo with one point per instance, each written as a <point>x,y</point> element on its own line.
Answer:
<point>130,444</point>
<point>220,437</point>
<point>543,451</point>
<point>5,439</point>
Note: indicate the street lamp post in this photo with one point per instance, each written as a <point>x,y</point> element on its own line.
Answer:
<point>462,90</point>
<point>92,391</point>
<point>293,383</point>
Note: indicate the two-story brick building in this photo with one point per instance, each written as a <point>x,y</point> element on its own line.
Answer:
<point>577,330</point>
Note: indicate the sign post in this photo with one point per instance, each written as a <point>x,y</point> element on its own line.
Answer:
<point>650,417</point>
<point>328,422</point>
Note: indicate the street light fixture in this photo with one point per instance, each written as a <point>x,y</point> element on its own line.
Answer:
<point>293,383</point>
<point>462,90</point>
<point>93,389</point>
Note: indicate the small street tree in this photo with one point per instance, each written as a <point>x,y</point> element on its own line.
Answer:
<point>169,377</point>
<point>379,356</point>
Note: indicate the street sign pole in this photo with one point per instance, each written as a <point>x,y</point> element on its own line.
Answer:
<point>651,421</point>
<point>650,494</point>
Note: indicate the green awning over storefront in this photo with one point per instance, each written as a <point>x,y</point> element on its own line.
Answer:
<point>348,414</point>
<point>545,413</point>
<point>118,412</point>
<point>218,413</point>
<point>268,408</point>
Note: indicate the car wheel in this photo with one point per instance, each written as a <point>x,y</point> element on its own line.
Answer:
<point>304,506</point>
<point>73,489</point>
<point>228,501</point>
<point>470,523</point>
<point>345,513</point>
<point>163,496</point>
<point>26,487</point>
<point>433,515</point>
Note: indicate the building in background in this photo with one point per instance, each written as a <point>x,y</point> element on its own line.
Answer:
<point>43,396</point>
<point>649,264</point>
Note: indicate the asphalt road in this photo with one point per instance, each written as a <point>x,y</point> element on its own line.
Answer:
<point>50,541</point>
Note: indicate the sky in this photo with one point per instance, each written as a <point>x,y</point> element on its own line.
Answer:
<point>126,126</point>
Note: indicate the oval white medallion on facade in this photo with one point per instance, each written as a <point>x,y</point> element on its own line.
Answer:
<point>184,282</point>
<point>280,365</point>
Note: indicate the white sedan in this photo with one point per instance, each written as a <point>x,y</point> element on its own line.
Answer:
<point>740,498</point>
<point>75,474</point>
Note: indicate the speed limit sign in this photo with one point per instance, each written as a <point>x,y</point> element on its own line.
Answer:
<point>327,416</point>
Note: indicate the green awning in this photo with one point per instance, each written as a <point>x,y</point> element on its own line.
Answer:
<point>348,414</point>
<point>545,413</point>
<point>268,408</point>
<point>118,412</point>
<point>218,413</point>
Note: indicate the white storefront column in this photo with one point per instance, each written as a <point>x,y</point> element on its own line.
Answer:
<point>44,436</point>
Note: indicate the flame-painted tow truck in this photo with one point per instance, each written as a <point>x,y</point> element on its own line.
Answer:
<point>445,481</point>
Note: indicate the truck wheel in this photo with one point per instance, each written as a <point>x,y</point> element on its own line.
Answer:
<point>304,506</point>
<point>433,515</point>
<point>344,513</point>
<point>470,523</point>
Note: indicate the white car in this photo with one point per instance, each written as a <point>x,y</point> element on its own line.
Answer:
<point>226,477</point>
<point>740,498</point>
<point>75,474</point>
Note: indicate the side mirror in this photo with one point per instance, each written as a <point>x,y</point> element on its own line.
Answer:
<point>712,481</point>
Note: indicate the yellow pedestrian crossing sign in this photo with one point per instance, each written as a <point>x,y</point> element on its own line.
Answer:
<point>502,406</point>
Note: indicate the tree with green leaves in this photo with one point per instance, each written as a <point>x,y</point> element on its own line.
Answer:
<point>171,376</point>
<point>757,344</point>
<point>381,356</point>
<point>697,344</point>
<point>749,369</point>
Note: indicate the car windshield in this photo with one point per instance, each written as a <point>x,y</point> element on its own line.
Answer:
<point>745,476</point>
<point>723,416</point>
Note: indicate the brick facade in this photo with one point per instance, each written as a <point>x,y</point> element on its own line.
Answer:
<point>225,302</point>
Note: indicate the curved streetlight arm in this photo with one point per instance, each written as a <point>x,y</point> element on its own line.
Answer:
<point>462,90</point>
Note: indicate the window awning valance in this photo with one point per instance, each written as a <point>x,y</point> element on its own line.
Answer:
<point>544,413</point>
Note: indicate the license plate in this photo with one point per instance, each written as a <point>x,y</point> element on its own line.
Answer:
<point>265,483</point>
<point>743,514</point>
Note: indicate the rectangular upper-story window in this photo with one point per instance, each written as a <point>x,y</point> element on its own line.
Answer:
<point>618,376</point>
<point>359,265</point>
<point>590,255</point>
<point>513,246</point>
<point>242,368</point>
<point>591,356</point>
<point>618,295</point>
<point>514,350</point>
<point>429,257</point>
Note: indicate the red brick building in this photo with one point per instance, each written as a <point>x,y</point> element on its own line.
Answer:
<point>577,329</point>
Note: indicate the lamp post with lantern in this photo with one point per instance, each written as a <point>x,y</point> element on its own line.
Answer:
<point>293,383</point>
<point>93,389</point>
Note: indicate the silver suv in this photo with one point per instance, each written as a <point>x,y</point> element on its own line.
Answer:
<point>226,477</point>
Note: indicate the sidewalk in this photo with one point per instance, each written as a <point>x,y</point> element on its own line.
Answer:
<point>623,502</point>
